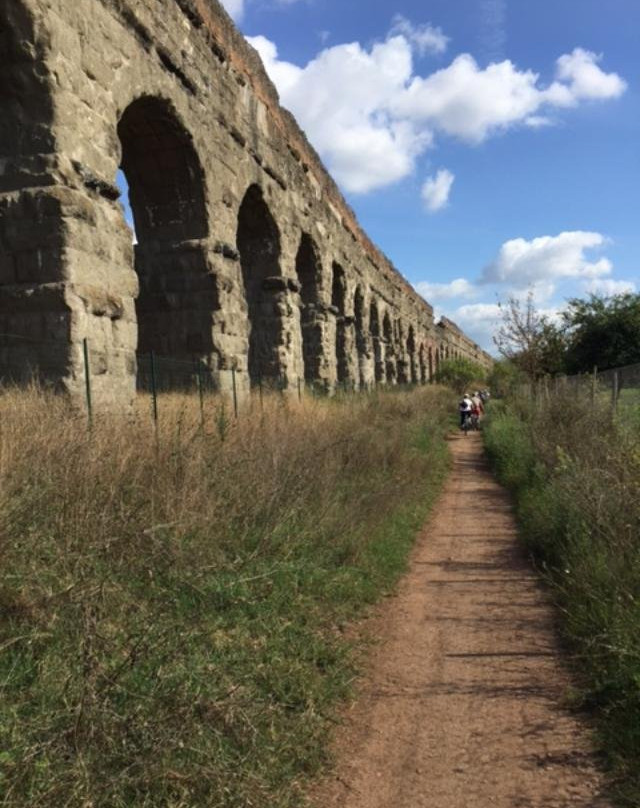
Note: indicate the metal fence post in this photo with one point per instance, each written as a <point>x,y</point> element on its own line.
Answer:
<point>594,384</point>
<point>615,391</point>
<point>235,391</point>
<point>154,389</point>
<point>299,389</point>
<point>200,391</point>
<point>87,380</point>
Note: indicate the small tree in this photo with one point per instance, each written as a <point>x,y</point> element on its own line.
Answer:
<point>459,374</point>
<point>505,378</point>
<point>529,339</point>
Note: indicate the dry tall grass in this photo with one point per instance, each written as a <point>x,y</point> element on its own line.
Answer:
<point>170,600</point>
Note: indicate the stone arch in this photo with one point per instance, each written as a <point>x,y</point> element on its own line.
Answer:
<point>258,241</point>
<point>309,272</point>
<point>362,346</point>
<point>178,294</point>
<point>374,330</point>
<point>339,302</point>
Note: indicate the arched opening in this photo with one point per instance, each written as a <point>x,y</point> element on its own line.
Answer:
<point>401,358</point>
<point>338,301</point>
<point>338,288</point>
<point>258,241</point>
<point>166,184</point>
<point>411,351</point>
<point>387,333</point>
<point>422,360</point>
<point>309,272</point>
<point>374,330</point>
<point>361,337</point>
<point>430,359</point>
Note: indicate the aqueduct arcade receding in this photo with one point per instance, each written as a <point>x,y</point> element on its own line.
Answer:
<point>247,259</point>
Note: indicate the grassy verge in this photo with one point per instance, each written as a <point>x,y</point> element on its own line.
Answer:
<point>575,472</point>
<point>171,607</point>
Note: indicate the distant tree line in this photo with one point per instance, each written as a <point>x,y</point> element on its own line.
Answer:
<point>598,331</point>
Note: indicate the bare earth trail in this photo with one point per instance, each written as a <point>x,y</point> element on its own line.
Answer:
<point>462,705</point>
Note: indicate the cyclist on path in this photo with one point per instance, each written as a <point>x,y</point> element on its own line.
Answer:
<point>465,408</point>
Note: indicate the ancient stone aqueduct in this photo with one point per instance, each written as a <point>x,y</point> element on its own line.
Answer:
<point>247,256</point>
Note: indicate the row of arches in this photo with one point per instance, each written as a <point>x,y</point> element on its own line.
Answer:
<point>179,295</point>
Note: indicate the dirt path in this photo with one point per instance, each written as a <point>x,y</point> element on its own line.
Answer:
<point>462,704</point>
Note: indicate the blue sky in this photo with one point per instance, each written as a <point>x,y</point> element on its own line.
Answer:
<point>489,147</point>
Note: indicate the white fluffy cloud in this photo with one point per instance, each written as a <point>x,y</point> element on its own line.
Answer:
<point>235,8</point>
<point>608,287</point>
<point>370,116</point>
<point>342,99</point>
<point>580,73</point>
<point>459,288</point>
<point>479,320</point>
<point>549,267</point>
<point>436,190</point>
<point>425,38</point>
<point>471,103</point>
<point>547,259</point>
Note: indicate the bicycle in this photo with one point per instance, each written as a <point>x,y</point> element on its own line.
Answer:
<point>467,423</point>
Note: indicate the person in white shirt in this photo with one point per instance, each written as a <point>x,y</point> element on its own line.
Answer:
<point>465,408</point>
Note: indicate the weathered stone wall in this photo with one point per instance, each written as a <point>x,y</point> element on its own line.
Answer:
<point>247,256</point>
<point>453,343</point>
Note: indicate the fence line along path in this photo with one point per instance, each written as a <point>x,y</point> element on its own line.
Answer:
<point>463,702</point>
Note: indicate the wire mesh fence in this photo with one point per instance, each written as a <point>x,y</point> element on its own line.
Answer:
<point>620,387</point>
<point>160,379</point>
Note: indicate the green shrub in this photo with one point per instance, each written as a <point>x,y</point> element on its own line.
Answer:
<point>575,475</point>
<point>459,374</point>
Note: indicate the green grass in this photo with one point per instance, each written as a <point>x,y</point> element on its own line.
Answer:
<point>574,471</point>
<point>172,613</point>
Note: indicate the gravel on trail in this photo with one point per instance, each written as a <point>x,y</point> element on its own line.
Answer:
<point>463,700</point>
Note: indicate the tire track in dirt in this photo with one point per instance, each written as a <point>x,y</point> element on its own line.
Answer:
<point>462,702</point>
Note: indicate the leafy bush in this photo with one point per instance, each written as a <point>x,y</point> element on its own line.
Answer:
<point>576,476</point>
<point>505,378</point>
<point>459,374</point>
